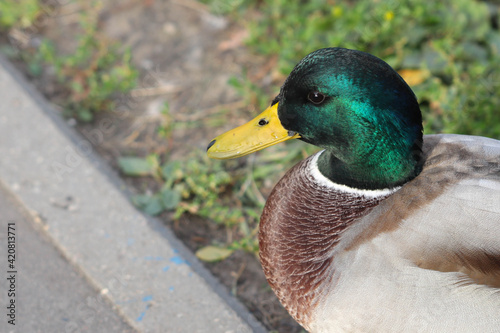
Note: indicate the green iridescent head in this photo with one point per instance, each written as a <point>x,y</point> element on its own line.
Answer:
<point>361,111</point>
<point>350,103</point>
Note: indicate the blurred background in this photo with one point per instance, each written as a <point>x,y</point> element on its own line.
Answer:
<point>150,82</point>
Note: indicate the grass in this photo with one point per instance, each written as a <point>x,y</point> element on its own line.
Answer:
<point>91,75</point>
<point>19,13</point>
<point>224,192</point>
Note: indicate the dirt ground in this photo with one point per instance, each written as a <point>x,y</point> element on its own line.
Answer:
<point>185,56</point>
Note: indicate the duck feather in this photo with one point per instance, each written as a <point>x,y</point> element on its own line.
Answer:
<point>424,258</point>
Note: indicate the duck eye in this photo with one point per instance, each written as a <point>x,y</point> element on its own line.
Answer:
<point>316,97</point>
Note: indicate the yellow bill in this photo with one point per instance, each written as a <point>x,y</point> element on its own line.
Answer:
<point>263,131</point>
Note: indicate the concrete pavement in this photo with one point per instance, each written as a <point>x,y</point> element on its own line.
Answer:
<point>50,294</point>
<point>86,259</point>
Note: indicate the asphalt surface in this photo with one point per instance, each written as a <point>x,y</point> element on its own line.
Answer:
<point>85,259</point>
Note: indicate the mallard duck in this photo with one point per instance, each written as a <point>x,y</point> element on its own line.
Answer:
<point>385,230</point>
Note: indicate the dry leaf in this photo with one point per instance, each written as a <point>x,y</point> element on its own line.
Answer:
<point>213,253</point>
<point>414,77</point>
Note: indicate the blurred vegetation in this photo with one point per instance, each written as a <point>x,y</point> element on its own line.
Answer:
<point>19,13</point>
<point>91,75</point>
<point>225,192</point>
<point>94,73</point>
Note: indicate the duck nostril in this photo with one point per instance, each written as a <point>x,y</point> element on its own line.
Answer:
<point>210,144</point>
<point>263,122</point>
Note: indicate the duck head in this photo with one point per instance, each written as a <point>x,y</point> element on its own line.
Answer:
<point>352,104</point>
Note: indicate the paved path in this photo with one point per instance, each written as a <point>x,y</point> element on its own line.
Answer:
<point>51,295</point>
<point>86,259</point>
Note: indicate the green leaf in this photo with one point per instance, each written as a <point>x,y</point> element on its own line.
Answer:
<point>85,115</point>
<point>135,166</point>
<point>170,198</point>
<point>493,39</point>
<point>151,205</point>
<point>433,60</point>
<point>213,253</point>
<point>169,169</point>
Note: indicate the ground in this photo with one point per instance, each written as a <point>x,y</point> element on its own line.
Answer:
<point>185,55</point>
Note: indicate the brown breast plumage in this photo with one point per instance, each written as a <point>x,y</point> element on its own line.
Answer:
<point>296,255</point>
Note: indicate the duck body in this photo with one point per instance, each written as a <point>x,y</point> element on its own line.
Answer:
<point>424,257</point>
<point>385,230</point>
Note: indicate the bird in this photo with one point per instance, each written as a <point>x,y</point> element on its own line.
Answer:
<point>385,229</point>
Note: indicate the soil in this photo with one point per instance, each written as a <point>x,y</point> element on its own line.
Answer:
<point>185,55</point>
